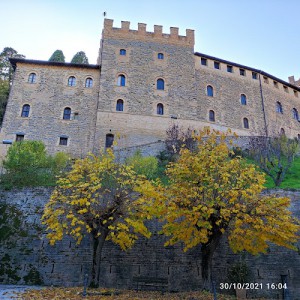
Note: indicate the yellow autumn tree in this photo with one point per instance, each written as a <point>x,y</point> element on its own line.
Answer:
<point>97,197</point>
<point>210,194</point>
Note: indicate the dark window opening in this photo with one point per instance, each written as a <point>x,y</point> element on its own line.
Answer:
<point>216,65</point>
<point>25,111</point>
<point>67,113</point>
<point>160,56</point>
<point>63,141</point>
<point>254,75</point>
<point>160,109</point>
<point>242,72</point>
<point>210,91</point>
<point>71,81</point>
<point>211,116</point>
<point>120,105</point>
<point>243,99</point>
<point>121,80</point>
<point>295,114</point>
<point>203,61</point>
<point>19,137</point>
<point>89,82</point>
<point>279,108</point>
<point>122,52</point>
<point>229,69</point>
<point>246,123</point>
<point>109,140</point>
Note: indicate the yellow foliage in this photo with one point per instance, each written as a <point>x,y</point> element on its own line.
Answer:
<point>98,195</point>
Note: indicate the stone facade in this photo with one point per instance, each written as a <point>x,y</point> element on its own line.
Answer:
<point>26,256</point>
<point>145,58</point>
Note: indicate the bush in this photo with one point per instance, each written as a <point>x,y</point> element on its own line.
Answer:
<point>143,165</point>
<point>28,164</point>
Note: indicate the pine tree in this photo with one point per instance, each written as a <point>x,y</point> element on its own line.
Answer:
<point>80,58</point>
<point>57,56</point>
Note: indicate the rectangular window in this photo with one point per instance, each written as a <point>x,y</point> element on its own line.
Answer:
<point>203,61</point>
<point>217,65</point>
<point>286,89</point>
<point>19,137</point>
<point>275,84</point>
<point>63,141</point>
<point>266,80</point>
<point>254,75</point>
<point>229,69</point>
<point>242,72</point>
<point>75,117</point>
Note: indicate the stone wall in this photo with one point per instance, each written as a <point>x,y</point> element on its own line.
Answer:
<point>27,258</point>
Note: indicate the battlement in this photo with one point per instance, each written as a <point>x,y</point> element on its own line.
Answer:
<point>142,34</point>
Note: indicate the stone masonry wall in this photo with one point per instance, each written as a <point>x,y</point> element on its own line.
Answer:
<point>27,258</point>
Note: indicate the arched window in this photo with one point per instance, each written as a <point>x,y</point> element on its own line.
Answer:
<point>279,107</point>
<point>295,114</point>
<point>211,116</point>
<point>210,91</point>
<point>243,99</point>
<point>25,111</point>
<point>160,56</point>
<point>67,113</point>
<point>32,78</point>
<point>89,82</point>
<point>160,84</point>
<point>122,52</point>
<point>120,105</point>
<point>71,81</point>
<point>282,131</point>
<point>109,140</point>
<point>246,123</point>
<point>121,80</point>
<point>160,109</point>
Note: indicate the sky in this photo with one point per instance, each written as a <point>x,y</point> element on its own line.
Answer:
<point>262,34</point>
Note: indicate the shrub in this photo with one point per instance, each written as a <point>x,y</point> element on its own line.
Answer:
<point>28,164</point>
<point>143,165</point>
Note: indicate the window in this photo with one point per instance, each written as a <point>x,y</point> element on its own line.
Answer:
<point>25,111</point>
<point>216,65</point>
<point>160,109</point>
<point>63,141</point>
<point>76,116</point>
<point>19,137</point>
<point>243,99</point>
<point>295,114</point>
<point>242,72</point>
<point>282,131</point>
<point>203,61</point>
<point>32,78</point>
<point>266,80</point>
<point>211,116</point>
<point>67,113</point>
<point>229,69</point>
<point>120,105</point>
<point>246,123</point>
<point>298,136</point>
<point>121,80</point>
<point>109,140</point>
<point>160,84</point>
<point>286,89</point>
<point>254,75</point>
<point>71,81</point>
<point>122,52</point>
<point>275,84</point>
<point>209,91</point>
<point>279,108</point>
<point>160,56</point>
<point>89,82</point>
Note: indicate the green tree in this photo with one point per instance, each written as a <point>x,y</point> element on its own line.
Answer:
<point>27,164</point>
<point>4,92</point>
<point>6,69</point>
<point>57,56</point>
<point>80,58</point>
<point>274,155</point>
<point>97,197</point>
<point>210,193</point>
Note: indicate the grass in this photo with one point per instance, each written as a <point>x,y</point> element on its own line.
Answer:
<point>292,177</point>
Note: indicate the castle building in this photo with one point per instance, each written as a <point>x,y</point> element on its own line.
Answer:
<point>142,83</point>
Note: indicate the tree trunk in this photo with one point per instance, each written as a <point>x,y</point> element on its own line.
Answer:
<point>207,251</point>
<point>98,243</point>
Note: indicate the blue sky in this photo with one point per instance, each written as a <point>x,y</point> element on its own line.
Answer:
<point>262,34</point>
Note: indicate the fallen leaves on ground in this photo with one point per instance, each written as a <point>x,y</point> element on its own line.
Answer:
<point>93,294</point>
